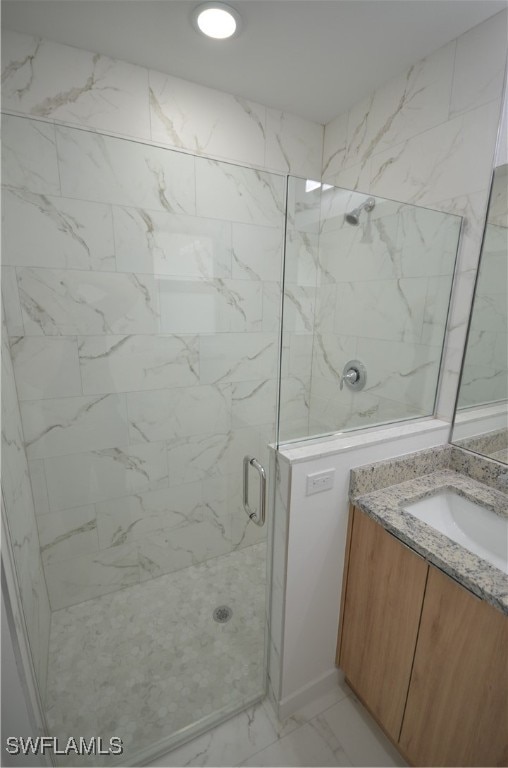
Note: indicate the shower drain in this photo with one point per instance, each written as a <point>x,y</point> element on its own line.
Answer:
<point>222,614</point>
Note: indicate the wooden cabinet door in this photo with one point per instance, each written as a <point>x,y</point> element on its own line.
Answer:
<point>381,611</point>
<point>457,711</point>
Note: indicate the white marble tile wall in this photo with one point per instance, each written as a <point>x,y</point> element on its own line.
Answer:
<point>143,322</point>
<point>68,85</point>
<point>382,298</point>
<point>428,137</point>
<point>22,527</point>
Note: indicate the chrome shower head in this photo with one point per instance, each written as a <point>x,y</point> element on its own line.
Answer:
<point>353,217</point>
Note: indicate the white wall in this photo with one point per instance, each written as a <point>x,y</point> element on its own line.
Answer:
<point>316,545</point>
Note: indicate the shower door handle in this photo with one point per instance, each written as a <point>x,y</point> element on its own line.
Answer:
<point>257,517</point>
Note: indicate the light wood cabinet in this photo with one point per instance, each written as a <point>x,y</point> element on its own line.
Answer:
<point>383,603</point>
<point>427,657</point>
<point>457,710</point>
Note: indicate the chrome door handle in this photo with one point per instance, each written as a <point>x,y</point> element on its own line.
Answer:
<point>257,517</point>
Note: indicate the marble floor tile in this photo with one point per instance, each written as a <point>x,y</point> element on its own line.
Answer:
<point>146,661</point>
<point>360,737</point>
<point>303,747</point>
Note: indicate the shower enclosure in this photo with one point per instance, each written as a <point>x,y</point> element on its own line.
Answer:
<point>166,316</point>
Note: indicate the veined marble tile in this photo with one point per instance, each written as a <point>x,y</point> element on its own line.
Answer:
<point>179,412</point>
<point>427,242</point>
<point>229,192</point>
<point>128,173</point>
<point>128,519</point>
<point>206,121</point>
<point>271,294</point>
<point>73,424</point>
<point>39,487</point>
<point>356,176</point>
<point>299,304</point>
<point>308,745</point>
<point>294,407</point>
<point>46,79</point>
<point>210,455</point>
<point>68,534</point>
<point>84,478</point>
<point>472,208</point>
<point>404,373</point>
<point>135,363</point>
<point>46,367</point>
<point>244,532</point>
<point>293,145</point>
<point>44,231</point>
<point>72,302</point>
<point>381,309</point>
<point>481,385</point>
<point>210,305</point>
<point>302,263</point>
<point>227,357</point>
<point>330,353</point>
<point>304,197</point>
<point>444,162</point>
<point>480,63</point>
<point>204,535</point>
<point>256,252</point>
<point>11,303</point>
<point>252,402</point>
<point>436,309</point>
<point>29,156</point>
<point>297,355</point>
<point>171,244</point>
<point>88,576</point>
<point>407,105</point>
<point>490,312</point>
<point>334,146</point>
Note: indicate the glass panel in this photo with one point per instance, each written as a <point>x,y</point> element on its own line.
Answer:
<point>481,421</point>
<point>144,311</point>
<point>367,282</point>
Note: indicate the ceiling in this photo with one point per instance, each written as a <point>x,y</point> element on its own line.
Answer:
<point>313,58</point>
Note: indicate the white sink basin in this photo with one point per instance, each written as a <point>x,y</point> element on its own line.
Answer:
<point>472,526</point>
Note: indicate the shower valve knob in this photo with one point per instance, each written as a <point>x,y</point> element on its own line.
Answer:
<point>354,375</point>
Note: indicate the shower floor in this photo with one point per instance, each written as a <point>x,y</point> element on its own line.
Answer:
<point>146,661</point>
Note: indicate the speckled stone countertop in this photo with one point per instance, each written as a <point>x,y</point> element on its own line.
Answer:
<point>382,489</point>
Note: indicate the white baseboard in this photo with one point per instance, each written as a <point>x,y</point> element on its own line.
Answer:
<point>290,704</point>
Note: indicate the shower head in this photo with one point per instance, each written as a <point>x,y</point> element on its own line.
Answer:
<point>353,217</point>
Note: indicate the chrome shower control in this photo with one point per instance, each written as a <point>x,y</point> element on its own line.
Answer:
<point>354,375</point>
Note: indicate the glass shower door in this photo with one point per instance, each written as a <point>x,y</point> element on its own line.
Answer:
<point>143,317</point>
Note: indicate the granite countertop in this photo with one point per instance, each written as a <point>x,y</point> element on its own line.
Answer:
<point>382,489</point>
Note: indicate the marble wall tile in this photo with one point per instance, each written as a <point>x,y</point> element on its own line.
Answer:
<point>73,424</point>
<point>46,79</point>
<point>29,157</point>
<point>181,412</point>
<point>210,455</point>
<point>135,363</point>
<point>39,486</point>
<point>227,357</point>
<point>128,519</point>
<point>91,575</point>
<point>11,303</point>
<point>256,252</point>
<point>404,373</point>
<point>83,478</point>
<point>302,264</point>
<point>293,145</point>
<point>406,106</point>
<point>21,525</point>
<point>480,63</point>
<point>43,231</point>
<point>210,305</point>
<point>299,305</point>
<point>249,399</point>
<point>73,302</point>
<point>225,191</point>
<point>46,367</point>
<point>110,170</point>
<point>381,309</point>
<point>443,162</point>
<point>171,244</point>
<point>68,534</point>
<point>334,146</point>
<point>206,121</point>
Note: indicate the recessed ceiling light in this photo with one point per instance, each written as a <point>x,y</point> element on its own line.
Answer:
<point>216,20</point>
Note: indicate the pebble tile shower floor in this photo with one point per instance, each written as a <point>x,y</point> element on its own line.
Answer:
<point>144,662</point>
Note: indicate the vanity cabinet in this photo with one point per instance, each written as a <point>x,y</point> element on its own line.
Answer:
<point>427,658</point>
